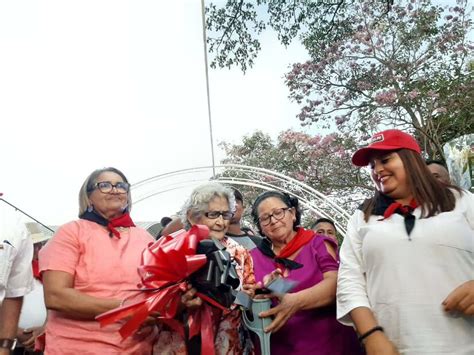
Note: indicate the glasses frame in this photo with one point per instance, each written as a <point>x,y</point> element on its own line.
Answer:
<point>219,214</point>
<point>120,190</point>
<point>268,219</point>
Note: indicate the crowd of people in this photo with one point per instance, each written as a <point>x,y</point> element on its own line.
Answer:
<point>401,281</point>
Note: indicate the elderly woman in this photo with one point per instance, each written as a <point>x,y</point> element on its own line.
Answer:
<point>406,276</point>
<point>90,266</point>
<point>212,205</point>
<point>304,319</point>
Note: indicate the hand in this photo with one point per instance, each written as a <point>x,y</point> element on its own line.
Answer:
<point>31,334</point>
<point>272,276</point>
<point>378,344</point>
<point>289,305</point>
<point>189,299</point>
<point>250,289</point>
<point>461,299</point>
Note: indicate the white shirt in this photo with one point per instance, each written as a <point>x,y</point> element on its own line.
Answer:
<point>33,311</point>
<point>16,254</point>
<point>404,282</point>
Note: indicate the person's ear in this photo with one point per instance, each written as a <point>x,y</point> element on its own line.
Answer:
<point>192,219</point>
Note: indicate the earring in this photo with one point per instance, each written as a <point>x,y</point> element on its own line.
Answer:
<point>90,208</point>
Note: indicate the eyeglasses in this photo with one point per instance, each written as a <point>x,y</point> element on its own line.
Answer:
<point>227,215</point>
<point>277,214</point>
<point>107,187</point>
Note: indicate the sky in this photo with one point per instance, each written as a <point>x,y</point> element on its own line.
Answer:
<point>89,84</point>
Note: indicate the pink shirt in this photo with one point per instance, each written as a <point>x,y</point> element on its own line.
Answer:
<point>103,267</point>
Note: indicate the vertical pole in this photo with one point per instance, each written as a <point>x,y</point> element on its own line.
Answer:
<point>204,38</point>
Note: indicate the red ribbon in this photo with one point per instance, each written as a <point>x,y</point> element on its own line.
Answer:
<point>165,266</point>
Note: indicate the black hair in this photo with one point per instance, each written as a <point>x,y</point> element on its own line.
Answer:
<point>287,199</point>
<point>165,221</point>
<point>438,162</point>
<point>323,220</point>
<point>237,194</point>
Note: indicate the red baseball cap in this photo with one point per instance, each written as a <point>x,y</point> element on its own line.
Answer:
<point>391,139</point>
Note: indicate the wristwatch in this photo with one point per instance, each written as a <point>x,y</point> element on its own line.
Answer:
<point>9,344</point>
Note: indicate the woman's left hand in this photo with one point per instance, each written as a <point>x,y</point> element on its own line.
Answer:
<point>461,299</point>
<point>289,305</point>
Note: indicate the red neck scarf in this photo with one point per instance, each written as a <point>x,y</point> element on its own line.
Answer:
<point>301,238</point>
<point>123,221</point>
<point>405,211</point>
<point>399,208</point>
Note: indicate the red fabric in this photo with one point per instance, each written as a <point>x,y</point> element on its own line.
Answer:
<point>301,238</point>
<point>123,221</point>
<point>165,266</point>
<point>36,271</point>
<point>404,209</point>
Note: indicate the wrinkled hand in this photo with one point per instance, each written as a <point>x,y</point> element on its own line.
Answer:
<point>378,344</point>
<point>29,337</point>
<point>250,289</point>
<point>289,305</point>
<point>189,299</point>
<point>461,299</point>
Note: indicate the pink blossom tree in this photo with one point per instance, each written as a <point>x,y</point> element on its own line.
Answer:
<point>408,68</point>
<point>322,162</point>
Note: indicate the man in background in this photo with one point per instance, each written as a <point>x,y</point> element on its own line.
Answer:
<point>325,226</point>
<point>244,236</point>
<point>16,276</point>
<point>439,171</point>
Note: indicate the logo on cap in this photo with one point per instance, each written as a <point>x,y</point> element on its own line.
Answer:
<point>376,138</point>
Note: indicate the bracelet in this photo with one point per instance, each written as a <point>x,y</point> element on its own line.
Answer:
<point>370,331</point>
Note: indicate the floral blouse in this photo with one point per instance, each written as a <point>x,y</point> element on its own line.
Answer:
<point>228,340</point>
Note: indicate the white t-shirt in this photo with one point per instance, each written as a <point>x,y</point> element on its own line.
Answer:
<point>33,311</point>
<point>16,254</point>
<point>404,282</point>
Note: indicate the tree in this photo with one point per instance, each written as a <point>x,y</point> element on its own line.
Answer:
<point>373,64</point>
<point>407,69</point>
<point>234,28</point>
<point>321,162</point>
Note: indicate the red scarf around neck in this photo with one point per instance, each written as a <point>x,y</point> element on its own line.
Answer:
<point>123,221</point>
<point>301,238</point>
<point>398,207</point>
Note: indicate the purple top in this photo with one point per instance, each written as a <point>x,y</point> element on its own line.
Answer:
<point>313,331</point>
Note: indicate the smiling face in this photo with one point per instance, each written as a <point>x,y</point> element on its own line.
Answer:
<point>111,204</point>
<point>217,226</point>
<point>389,176</point>
<point>278,230</point>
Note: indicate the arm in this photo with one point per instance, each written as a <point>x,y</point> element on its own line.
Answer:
<point>60,295</point>
<point>9,315</point>
<point>376,343</point>
<point>320,295</point>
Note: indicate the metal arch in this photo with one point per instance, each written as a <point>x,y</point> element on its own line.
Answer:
<point>260,178</point>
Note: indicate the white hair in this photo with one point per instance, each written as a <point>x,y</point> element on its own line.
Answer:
<point>199,200</point>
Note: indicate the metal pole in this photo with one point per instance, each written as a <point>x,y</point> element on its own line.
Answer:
<point>26,214</point>
<point>204,38</point>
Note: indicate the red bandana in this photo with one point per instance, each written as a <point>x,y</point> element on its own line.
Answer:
<point>301,238</point>
<point>123,221</point>
<point>399,208</point>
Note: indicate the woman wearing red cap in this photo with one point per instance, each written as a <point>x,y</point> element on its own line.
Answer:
<point>406,274</point>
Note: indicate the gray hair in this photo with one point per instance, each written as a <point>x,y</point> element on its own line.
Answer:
<point>89,185</point>
<point>199,200</point>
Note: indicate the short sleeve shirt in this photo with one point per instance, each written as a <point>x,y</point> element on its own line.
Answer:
<point>16,254</point>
